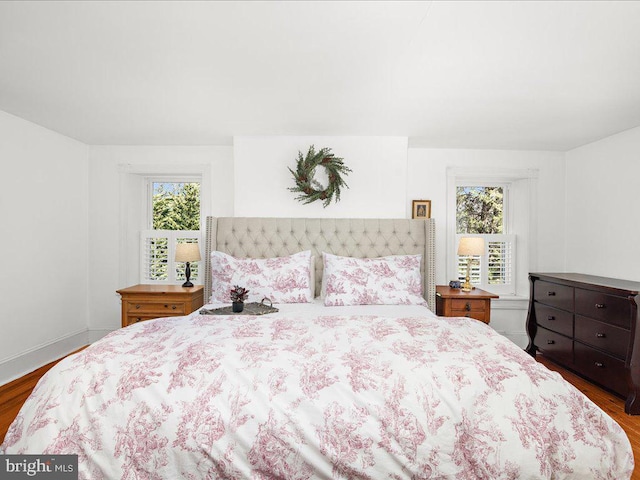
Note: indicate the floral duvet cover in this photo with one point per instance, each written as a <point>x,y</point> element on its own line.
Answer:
<point>297,396</point>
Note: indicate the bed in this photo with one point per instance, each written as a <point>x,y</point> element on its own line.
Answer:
<point>313,391</point>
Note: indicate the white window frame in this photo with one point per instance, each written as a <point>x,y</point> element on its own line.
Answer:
<point>520,215</point>
<point>135,204</point>
<point>175,272</point>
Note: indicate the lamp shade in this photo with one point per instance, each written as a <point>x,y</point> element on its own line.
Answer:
<point>187,252</point>
<point>471,246</point>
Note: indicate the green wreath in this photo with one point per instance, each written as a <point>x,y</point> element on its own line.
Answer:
<point>310,189</point>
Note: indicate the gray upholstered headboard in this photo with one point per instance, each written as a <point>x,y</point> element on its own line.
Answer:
<point>350,237</point>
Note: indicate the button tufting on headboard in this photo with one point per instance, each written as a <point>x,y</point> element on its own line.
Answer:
<point>276,237</point>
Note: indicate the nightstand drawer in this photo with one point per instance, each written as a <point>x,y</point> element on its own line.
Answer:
<point>131,319</point>
<point>475,314</point>
<point>144,302</point>
<point>168,308</point>
<point>468,305</point>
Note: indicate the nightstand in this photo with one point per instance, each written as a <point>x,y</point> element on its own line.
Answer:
<point>144,302</point>
<point>453,302</point>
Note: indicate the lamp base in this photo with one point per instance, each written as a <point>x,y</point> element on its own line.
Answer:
<point>187,274</point>
<point>466,286</point>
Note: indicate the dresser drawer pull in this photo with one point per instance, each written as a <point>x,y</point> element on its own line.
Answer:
<point>137,306</point>
<point>551,317</point>
<point>467,306</point>
<point>601,335</point>
<point>551,294</point>
<point>600,305</point>
<point>599,364</point>
<point>173,307</point>
<point>551,342</point>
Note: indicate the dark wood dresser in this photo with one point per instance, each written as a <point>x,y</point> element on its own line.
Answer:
<point>588,324</point>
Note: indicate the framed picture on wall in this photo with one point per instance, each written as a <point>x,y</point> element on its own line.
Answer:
<point>421,209</point>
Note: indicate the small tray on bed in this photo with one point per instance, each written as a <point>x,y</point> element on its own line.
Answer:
<point>253,308</point>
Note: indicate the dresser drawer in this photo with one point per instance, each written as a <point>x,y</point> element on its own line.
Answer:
<point>604,336</point>
<point>559,296</point>
<point>608,308</point>
<point>468,305</point>
<point>554,345</point>
<point>604,369</point>
<point>160,308</point>
<point>554,319</point>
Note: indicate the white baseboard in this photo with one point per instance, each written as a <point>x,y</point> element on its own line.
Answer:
<point>19,365</point>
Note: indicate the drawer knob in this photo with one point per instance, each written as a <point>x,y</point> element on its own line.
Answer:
<point>551,294</point>
<point>600,305</point>
<point>599,364</point>
<point>137,306</point>
<point>550,342</point>
<point>551,317</point>
<point>166,306</point>
<point>601,335</point>
<point>467,307</point>
<point>173,307</point>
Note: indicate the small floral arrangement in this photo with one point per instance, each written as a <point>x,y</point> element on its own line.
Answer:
<point>238,294</point>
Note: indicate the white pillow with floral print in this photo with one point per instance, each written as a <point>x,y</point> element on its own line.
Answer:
<point>281,279</point>
<point>392,280</point>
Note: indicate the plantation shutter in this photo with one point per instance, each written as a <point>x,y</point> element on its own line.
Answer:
<point>157,256</point>
<point>495,270</point>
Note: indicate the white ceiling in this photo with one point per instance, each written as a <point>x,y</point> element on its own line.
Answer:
<point>515,75</point>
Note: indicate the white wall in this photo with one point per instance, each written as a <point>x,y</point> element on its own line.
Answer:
<point>602,219</point>
<point>376,185</point>
<point>113,253</point>
<point>44,245</point>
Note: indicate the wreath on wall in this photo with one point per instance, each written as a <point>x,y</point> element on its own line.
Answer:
<point>310,189</point>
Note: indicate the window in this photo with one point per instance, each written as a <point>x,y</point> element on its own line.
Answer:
<point>482,210</point>
<point>173,217</point>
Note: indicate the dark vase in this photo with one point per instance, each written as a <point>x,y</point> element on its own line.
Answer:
<point>237,306</point>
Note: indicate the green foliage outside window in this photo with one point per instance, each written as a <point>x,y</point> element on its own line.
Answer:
<point>176,206</point>
<point>479,210</point>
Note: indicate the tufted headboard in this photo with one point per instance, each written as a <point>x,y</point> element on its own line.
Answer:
<point>349,237</point>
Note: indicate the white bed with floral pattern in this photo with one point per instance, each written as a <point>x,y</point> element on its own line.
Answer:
<point>363,381</point>
<point>317,392</point>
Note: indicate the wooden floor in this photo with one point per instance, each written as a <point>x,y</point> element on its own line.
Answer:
<point>13,395</point>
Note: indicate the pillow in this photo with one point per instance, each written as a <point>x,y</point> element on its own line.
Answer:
<point>281,279</point>
<point>393,280</point>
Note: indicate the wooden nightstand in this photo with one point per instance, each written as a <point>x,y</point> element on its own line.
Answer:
<point>453,302</point>
<point>144,302</point>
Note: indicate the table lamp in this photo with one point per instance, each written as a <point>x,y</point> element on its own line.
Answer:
<point>470,247</point>
<point>187,252</point>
